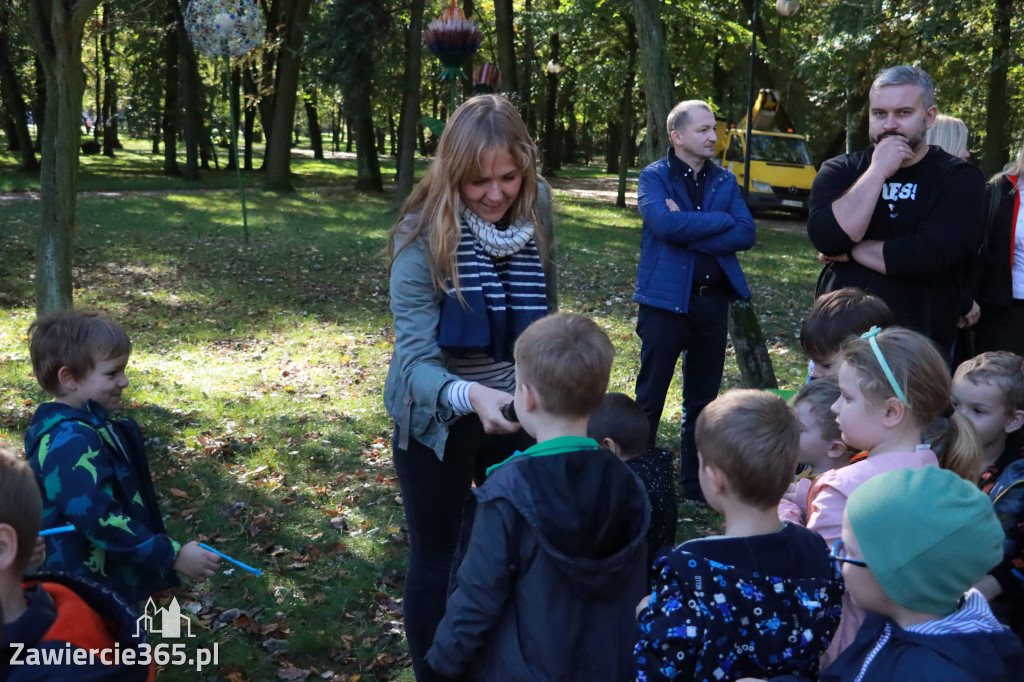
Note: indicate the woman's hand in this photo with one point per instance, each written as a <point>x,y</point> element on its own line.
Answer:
<point>972,317</point>
<point>487,403</point>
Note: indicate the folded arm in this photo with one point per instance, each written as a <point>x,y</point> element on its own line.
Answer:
<point>676,227</point>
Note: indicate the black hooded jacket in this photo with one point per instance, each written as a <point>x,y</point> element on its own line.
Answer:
<point>554,568</point>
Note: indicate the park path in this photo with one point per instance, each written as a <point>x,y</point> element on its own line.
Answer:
<point>604,190</point>
<point>607,189</point>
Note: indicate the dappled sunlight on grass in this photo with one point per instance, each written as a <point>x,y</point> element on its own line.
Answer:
<point>257,374</point>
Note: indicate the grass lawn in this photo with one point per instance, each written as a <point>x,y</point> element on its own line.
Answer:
<point>257,373</point>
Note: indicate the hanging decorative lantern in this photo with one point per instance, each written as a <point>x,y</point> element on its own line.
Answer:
<point>486,79</point>
<point>454,39</point>
<point>787,8</point>
<point>224,28</point>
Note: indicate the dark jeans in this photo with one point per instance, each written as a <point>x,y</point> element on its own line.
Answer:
<point>434,493</point>
<point>700,336</point>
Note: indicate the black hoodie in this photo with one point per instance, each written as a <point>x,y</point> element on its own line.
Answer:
<point>555,566</point>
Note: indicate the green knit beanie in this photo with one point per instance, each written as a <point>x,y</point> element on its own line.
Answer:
<point>926,534</point>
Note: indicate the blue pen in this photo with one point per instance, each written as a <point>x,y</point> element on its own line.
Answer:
<point>55,531</point>
<point>222,555</point>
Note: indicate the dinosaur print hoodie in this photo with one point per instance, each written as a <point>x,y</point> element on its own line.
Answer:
<point>93,474</point>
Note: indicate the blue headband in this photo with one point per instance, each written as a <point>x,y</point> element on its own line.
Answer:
<point>870,336</point>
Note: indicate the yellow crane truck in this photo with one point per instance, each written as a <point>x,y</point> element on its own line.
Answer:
<point>781,172</point>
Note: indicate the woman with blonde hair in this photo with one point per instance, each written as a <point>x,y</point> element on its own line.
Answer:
<point>1002,286</point>
<point>950,133</point>
<point>471,269</point>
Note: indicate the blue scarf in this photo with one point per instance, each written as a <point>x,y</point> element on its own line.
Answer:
<point>502,283</point>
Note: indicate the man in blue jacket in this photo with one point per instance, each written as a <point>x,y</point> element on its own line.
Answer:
<point>695,220</point>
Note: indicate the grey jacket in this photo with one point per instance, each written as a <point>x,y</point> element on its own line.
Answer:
<point>414,392</point>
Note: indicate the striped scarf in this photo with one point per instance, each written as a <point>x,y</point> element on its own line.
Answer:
<point>502,283</point>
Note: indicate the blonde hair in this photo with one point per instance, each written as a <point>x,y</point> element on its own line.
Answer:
<point>1015,167</point>
<point>480,126</point>
<point>567,359</point>
<point>819,396</point>
<point>754,438</point>
<point>1002,369</point>
<point>950,134</point>
<point>21,505</point>
<point>921,372</point>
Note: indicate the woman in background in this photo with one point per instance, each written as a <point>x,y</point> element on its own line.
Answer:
<point>1002,285</point>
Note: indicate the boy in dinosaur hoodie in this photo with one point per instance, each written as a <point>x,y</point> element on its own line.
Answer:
<point>92,470</point>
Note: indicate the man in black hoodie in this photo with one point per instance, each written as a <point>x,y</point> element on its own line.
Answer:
<point>556,560</point>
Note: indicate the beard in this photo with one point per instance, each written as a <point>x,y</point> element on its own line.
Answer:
<point>914,142</point>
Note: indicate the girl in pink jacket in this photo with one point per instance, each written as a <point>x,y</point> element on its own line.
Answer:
<point>893,386</point>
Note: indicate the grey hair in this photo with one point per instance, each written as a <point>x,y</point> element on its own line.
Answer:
<point>907,75</point>
<point>680,114</point>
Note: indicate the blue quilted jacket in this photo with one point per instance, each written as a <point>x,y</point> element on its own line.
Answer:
<point>671,238</point>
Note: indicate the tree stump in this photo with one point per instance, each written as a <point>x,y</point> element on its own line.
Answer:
<point>751,352</point>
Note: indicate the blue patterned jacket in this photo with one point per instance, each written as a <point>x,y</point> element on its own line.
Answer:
<point>93,474</point>
<point>1008,502</point>
<point>709,621</point>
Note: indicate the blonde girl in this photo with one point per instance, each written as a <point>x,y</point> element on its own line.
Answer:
<point>893,385</point>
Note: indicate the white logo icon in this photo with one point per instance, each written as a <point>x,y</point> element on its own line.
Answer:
<point>166,620</point>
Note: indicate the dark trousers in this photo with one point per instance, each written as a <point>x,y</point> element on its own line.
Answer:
<point>700,336</point>
<point>434,493</point>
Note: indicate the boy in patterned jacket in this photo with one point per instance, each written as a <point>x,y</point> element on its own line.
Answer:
<point>92,470</point>
<point>761,600</point>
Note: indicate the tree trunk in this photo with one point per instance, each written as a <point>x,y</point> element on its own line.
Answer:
<point>10,94</point>
<point>612,143</point>
<point>192,119</point>
<point>552,157</point>
<point>751,354</point>
<point>172,106</point>
<point>505,33</point>
<point>286,82</point>
<point>526,83</point>
<point>264,101</point>
<point>994,149</point>
<point>409,120</point>
<point>316,137</point>
<point>39,103</point>
<point>110,141</point>
<point>234,116</point>
<point>368,177</point>
<point>249,126</point>
<point>56,28</point>
<point>658,84</point>
<point>626,114</point>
